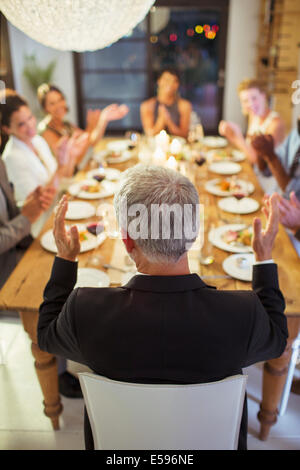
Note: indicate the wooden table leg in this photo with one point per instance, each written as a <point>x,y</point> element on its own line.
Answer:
<point>274,377</point>
<point>46,369</point>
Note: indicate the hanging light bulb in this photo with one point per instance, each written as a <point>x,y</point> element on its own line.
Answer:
<point>75,25</point>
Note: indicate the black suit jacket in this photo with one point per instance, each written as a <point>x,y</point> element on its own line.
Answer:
<point>14,232</point>
<point>172,329</point>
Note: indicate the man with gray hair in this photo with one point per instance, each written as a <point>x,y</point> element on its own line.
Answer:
<point>165,325</point>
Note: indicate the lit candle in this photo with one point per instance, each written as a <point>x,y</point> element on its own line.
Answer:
<point>159,156</point>
<point>162,140</point>
<point>175,146</point>
<point>171,163</point>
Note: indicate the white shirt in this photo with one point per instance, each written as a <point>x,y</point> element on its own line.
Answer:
<point>24,168</point>
<point>26,171</point>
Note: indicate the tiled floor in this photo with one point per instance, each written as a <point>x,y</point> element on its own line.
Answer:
<point>23,426</point>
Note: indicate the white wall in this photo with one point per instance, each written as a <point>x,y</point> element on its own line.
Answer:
<point>20,45</point>
<point>241,53</point>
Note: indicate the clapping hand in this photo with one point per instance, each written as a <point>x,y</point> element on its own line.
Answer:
<point>37,202</point>
<point>289,211</point>
<point>264,145</point>
<point>231,131</point>
<point>68,244</point>
<point>263,240</point>
<point>61,151</point>
<point>77,145</point>
<point>114,112</point>
<point>46,196</point>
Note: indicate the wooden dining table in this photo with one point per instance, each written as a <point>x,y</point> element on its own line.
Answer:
<point>23,291</point>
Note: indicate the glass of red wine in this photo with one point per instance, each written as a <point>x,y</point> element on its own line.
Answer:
<point>239,192</point>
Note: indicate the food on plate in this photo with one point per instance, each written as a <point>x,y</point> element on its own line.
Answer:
<point>224,185</point>
<point>228,185</point>
<point>83,235</point>
<point>220,155</point>
<point>238,237</point>
<point>113,155</point>
<point>90,188</point>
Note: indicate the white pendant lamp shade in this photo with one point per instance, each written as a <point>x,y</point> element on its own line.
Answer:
<point>75,25</point>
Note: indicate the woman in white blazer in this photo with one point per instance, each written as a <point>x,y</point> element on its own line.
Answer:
<point>27,156</point>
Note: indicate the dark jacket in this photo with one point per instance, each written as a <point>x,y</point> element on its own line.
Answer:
<point>14,230</point>
<point>163,329</point>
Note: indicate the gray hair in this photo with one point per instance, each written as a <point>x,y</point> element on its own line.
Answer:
<point>167,203</point>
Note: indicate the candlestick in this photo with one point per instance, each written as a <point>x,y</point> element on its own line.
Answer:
<point>175,147</point>
<point>159,156</point>
<point>171,163</point>
<point>162,140</point>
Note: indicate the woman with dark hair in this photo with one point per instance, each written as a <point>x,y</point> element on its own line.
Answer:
<point>54,125</point>
<point>28,159</point>
<point>36,176</point>
<point>166,111</point>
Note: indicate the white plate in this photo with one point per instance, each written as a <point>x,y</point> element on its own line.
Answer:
<point>225,168</point>
<point>216,238</point>
<point>247,205</point>
<point>111,174</point>
<point>91,277</point>
<point>239,266</point>
<point>107,189</point>
<point>238,156</point>
<point>211,187</point>
<point>124,157</point>
<point>216,142</point>
<point>217,156</point>
<point>79,210</point>
<point>119,145</point>
<point>48,241</point>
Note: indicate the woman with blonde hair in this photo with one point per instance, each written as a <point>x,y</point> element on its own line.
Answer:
<point>262,119</point>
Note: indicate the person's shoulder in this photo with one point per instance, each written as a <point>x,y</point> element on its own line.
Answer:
<point>95,299</point>
<point>13,151</point>
<point>276,122</point>
<point>184,104</point>
<point>149,103</point>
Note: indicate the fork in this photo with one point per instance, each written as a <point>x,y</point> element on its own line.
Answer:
<point>110,266</point>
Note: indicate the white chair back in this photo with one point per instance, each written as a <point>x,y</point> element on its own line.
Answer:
<point>126,416</point>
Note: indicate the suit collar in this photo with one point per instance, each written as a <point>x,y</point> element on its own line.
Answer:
<point>166,283</point>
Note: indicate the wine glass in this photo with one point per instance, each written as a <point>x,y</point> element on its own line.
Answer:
<point>201,171</point>
<point>239,192</point>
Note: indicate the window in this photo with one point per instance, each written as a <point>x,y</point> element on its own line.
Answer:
<point>186,35</point>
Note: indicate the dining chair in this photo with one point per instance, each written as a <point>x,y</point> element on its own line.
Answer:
<point>126,416</point>
<point>288,383</point>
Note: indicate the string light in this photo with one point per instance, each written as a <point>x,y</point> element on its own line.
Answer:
<point>199,29</point>
<point>173,37</point>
